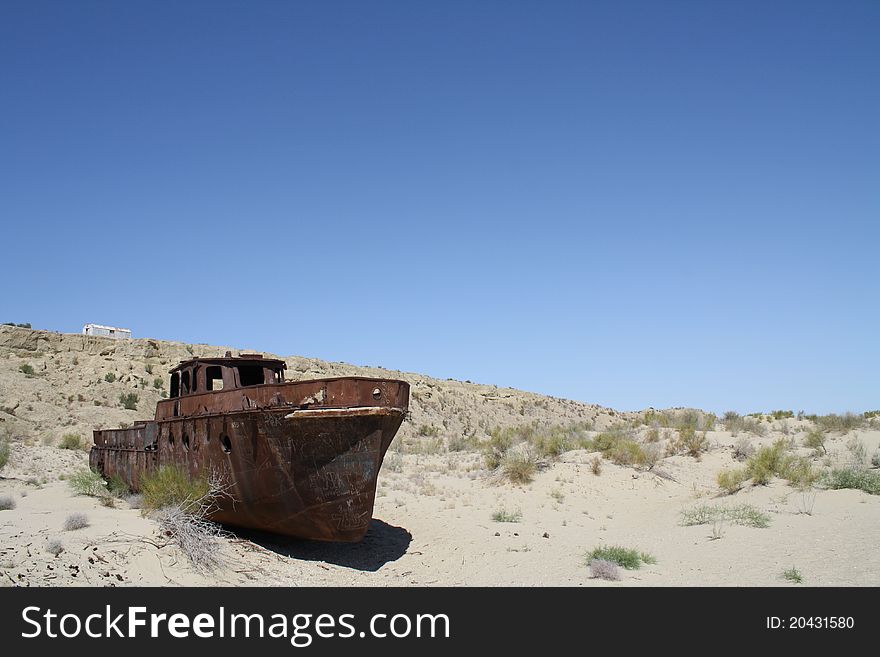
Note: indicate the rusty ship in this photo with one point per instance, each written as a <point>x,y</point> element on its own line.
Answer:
<point>299,458</point>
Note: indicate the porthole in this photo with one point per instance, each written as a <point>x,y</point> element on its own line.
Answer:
<point>225,444</point>
<point>376,393</point>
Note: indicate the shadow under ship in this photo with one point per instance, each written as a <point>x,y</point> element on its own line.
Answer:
<point>298,458</point>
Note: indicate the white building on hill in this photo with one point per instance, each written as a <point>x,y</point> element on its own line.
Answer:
<point>106,331</point>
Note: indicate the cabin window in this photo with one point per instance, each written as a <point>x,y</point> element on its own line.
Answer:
<point>194,384</point>
<point>279,375</point>
<point>214,378</point>
<point>250,375</point>
<point>184,382</point>
<point>175,385</point>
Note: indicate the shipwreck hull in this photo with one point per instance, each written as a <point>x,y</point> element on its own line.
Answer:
<point>308,472</point>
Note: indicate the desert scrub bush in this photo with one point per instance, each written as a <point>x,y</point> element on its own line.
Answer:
<point>743,449</point>
<point>732,421</point>
<point>110,377</point>
<point>428,430</point>
<point>4,453</point>
<point>518,467</point>
<point>54,546</point>
<point>608,439</point>
<point>148,368</point>
<point>735,423</point>
<point>767,462</point>
<point>70,441</point>
<point>623,557</point>
<point>858,453</point>
<point>604,569</point>
<point>551,445</point>
<point>815,439</point>
<point>793,575</point>
<point>679,419</point>
<point>692,442</point>
<point>496,447</point>
<point>619,446</point>
<point>88,482</point>
<point>744,514</point>
<point>596,465</point>
<point>421,445</point>
<point>7,502</point>
<point>462,443</point>
<point>134,500</point>
<point>855,478</point>
<point>26,369</point>
<point>76,521</point>
<point>185,521</point>
<point>171,485</point>
<point>842,423</point>
<point>129,400</point>
<point>626,452</point>
<point>117,487</point>
<point>732,480</point>
<point>158,383</point>
<point>503,515</point>
<point>799,472</point>
<point>781,415</point>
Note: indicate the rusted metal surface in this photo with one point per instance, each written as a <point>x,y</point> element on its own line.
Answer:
<point>301,458</point>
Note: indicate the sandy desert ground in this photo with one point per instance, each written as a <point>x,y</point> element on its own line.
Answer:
<point>434,519</point>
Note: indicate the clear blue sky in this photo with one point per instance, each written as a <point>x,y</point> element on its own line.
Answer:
<point>628,203</point>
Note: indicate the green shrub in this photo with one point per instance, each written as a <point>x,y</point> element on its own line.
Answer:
<point>799,472</point>
<point>4,453</point>
<point>842,423</point>
<point>551,445</point>
<point>70,441</point>
<point>815,439</point>
<point>793,575</point>
<point>129,400</point>
<point>117,487</point>
<point>148,368</point>
<point>732,480</point>
<point>781,415</point>
<point>26,369</point>
<point>88,482</point>
<point>518,468</point>
<point>427,430</point>
<point>691,442</point>
<point>507,516</point>
<point>171,485</point>
<point>157,383</point>
<point>623,557</point>
<point>110,377</point>
<point>856,478</point>
<point>767,462</point>
<point>626,452</point>
<point>608,439</point>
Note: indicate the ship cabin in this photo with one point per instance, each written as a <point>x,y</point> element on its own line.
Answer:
<point>200,375</point>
